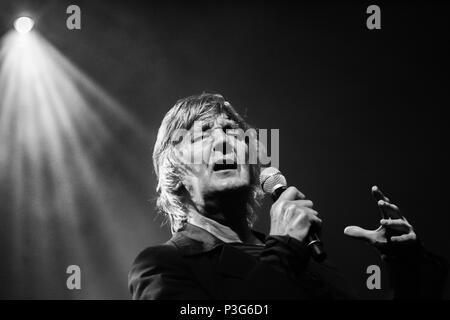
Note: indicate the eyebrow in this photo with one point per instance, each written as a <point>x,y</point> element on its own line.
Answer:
<point>207,124</point>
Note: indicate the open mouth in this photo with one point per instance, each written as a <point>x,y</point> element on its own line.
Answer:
<point>224,166</point>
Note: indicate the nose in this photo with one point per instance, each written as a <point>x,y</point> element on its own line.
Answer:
<point>222,142</point>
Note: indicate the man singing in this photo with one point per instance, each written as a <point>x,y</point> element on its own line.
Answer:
<point>210,204</point>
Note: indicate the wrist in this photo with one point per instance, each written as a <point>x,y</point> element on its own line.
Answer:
<point>401,252</point>
<point>294,246</point>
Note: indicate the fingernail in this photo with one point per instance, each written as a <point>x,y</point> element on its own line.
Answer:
<point>380,202</point>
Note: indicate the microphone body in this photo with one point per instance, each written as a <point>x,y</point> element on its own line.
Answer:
<point>273,182</point>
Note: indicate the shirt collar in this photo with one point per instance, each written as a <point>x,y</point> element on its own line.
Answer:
<point>218,230</point>
<point>191,240</point>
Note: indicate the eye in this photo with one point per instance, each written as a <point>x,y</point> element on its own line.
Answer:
<point>199,136</point>
<point>233,130</point>
<point>206,127</point>
<point>195,138</point>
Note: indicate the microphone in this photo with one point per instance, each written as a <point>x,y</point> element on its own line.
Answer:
<point>274,183</point>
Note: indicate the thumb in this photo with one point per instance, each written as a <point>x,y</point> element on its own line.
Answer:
<point>358,233</point>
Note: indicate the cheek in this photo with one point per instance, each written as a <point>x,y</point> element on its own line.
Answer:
<point>197,153</point>
<point>246,172</point>
<point>191,178</point>
<point>183,153</point>
<point>195,172</point>
<point>206,151</point>
<point>241,152</point>
<point>191,154</point>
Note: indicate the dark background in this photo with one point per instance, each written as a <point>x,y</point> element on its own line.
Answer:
<point>354,107</point>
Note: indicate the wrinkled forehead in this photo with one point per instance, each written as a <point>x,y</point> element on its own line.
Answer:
<point>202,125</point>
<point>215,119</point>
<point>220,120</point>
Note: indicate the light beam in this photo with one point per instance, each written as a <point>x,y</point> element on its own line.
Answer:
<point>57,132</point>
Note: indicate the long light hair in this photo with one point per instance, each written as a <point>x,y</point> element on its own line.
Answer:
<point>166,163</point>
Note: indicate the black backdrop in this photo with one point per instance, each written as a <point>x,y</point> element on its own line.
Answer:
<point>354,107</point>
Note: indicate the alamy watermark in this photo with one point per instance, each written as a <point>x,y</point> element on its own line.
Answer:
<point>73,22</point>
<point>373,282</point>
<point>73,282</point>
<point>247,147</point>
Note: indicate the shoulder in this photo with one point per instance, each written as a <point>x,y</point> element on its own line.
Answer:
<point>164,254</point>
<point>170,251</point>
<point>165,258</point>
<point>153,261</point>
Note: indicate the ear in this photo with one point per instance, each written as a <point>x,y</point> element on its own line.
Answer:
<point>179,186</point>
<point>182,189</point>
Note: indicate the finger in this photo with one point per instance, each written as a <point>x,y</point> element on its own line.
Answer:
<point>396,227</point>
<point>304,203</point>
<point>378,194</point>
<point>309,215</point>
<point>315,219</point>
<point>406,221</point>
<point>389,210</point>
<point>395,223</point>
<point>316,224</point>
<point>306,211</point>
<point>388,205</point>
<point>291,193</point>
<point>312,211</point>
<point>383,212</point>
<point>358,233</point>
<point>294,210</point>
<point>404,238</point>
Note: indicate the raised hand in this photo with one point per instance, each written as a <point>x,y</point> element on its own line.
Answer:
<point>394,229</point>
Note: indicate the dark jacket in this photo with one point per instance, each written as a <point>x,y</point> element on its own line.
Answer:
<point>194,264</point>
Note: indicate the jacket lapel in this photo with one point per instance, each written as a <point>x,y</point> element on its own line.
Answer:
<point>203,251</point>
<point>235,263</point>
<point>194,243</point>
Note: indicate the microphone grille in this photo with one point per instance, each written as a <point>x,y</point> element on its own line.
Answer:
<point>270,179</point>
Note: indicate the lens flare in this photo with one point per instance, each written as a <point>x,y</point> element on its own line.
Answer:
<point>24,24</point>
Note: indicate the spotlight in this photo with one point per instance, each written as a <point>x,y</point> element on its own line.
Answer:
<point>24,24</point>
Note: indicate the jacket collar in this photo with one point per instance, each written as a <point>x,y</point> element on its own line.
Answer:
<point>191,240</point>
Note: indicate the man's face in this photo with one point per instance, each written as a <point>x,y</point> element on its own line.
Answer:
<point>213,155</point>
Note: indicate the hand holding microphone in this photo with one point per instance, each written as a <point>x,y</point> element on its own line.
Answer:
<point>291,214</point>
